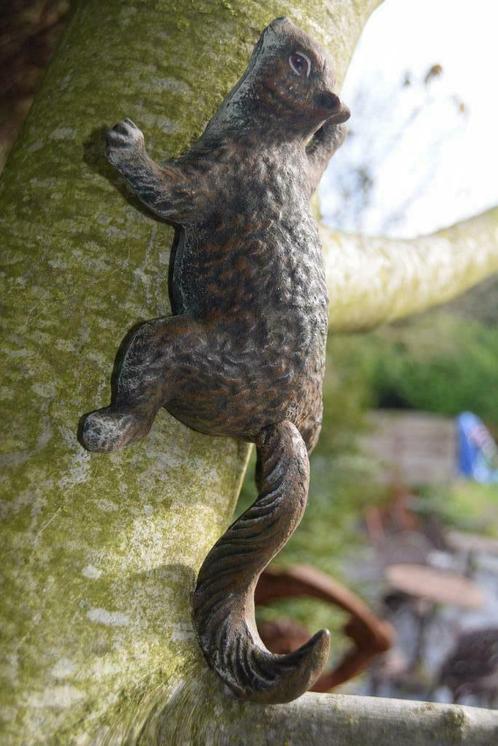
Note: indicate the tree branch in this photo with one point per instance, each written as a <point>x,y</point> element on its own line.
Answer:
<point>372,280</point>
<point>341,720</point>
<point>192,717</point>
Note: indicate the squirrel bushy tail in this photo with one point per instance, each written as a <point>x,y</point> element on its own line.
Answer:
<point>223,604</point>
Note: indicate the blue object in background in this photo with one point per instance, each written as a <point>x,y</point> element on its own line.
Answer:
<point>477,451</point>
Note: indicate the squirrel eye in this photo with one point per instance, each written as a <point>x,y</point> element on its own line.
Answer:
<point>300,64</point>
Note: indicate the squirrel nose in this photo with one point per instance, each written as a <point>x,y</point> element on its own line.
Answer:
<point>328,100</point>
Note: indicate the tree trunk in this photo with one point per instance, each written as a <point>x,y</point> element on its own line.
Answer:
<point>100,552</point>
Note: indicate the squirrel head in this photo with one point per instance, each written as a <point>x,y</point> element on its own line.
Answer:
<point>287,88</point>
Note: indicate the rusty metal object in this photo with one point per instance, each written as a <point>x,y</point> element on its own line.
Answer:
<point>244,353</point>
<point>283,635</point>
<point>371,635</point>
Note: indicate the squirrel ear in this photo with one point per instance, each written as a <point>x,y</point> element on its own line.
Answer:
<point>278,24</point>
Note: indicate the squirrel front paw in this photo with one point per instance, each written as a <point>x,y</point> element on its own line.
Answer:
<point>123,140</point>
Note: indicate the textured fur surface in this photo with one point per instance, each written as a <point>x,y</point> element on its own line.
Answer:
<point>244,353</point>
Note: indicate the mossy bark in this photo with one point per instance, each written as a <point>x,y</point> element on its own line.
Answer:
<point>99,553</point>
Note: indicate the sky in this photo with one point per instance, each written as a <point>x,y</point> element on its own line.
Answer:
<point>430,148</point>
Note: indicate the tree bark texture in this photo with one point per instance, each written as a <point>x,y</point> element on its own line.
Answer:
<point>100,552</point>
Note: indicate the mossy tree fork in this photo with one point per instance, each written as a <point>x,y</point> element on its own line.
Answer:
<point>100,553</point>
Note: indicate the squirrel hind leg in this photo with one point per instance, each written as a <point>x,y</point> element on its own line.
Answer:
<point>109,429</point>
<point>223,603</point>
<point>144,379</point>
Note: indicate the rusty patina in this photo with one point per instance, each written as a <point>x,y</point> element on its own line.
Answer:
<point>244,353</point>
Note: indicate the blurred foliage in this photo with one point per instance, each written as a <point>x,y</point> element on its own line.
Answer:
<point>443,361</point>
<point>439,363</point>
<point>465,505</point>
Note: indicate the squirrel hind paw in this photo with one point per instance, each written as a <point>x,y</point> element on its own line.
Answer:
<point>108,430</point>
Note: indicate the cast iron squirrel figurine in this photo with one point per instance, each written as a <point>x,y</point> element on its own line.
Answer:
<point>243,355</point>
